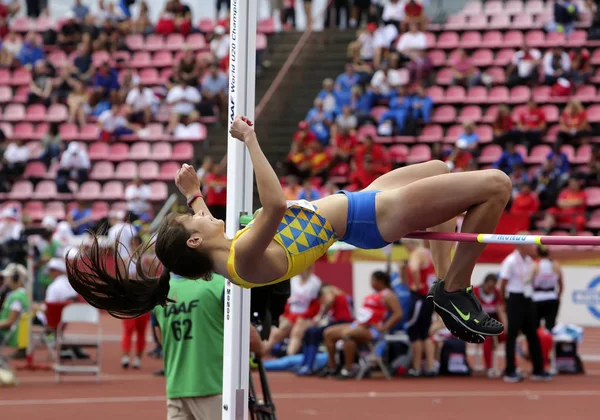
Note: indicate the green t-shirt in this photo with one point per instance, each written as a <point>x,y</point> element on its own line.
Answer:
<point>16,300</point>
<point>192,337</point>
<point>49,251</point>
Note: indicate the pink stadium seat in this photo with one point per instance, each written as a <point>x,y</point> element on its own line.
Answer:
<point>35,170</point>
<point>20,77</point>
<point>437,57</point>
<point>149,77</point>
<point>541,94</point>
<point>139,151</point>
<point>168,171</point>
<point>98,151</point>
<point>551,133</point>
<point>470,113</point>
<point>112,190</point>
<point>206,25</point>
<point>522,22</point>
<point>455,94</point>
<point>430,39</point>
<point>419,153</point>
<point>56,209</point>
<point>20,96</point>
<point>261,42</point>
<point>99,210</point>
<point>35,210</point>
<point>476,95</point>
<point>155,132</point>
<point>4,77</point>
<point>513,39</point>
<point>497,74</point>
<point>398,153</point>
<point>592,196</point>
<point>196,42</point>
<point>583,155</point>
<point>126,171</point>
<point>513,7</point>
<point>118,152</point>
<point>34,148</point>
<point>183,152</point>
<point>21,190</point>
<point>123,55</point>
<point>57,58</point>
<point>470,39</point>
<point>444,76</point>
<point>161,151</point>
<point>174,42</point>
<point>452,133</point>
<point>35,113</point>
<point>432,133</point>
<point>568,150</point>
<point>158,191</point>
<point>21,24</point>
<point>490,154</point>
<point>593,113</point>
<point>535,38</point>
<point>485,132</point>
<point>456,22</point>
<point>7,128</point>
<point>492,7</point>
<point>165,74</point>
<point>500,22</point>
<point>57,113</point>
<point>436,94</point>
<point>519,94</point>
<point>5,94</point>
<point>366,130</point>
<point>482,58</point>
<point>377,112</point>
<point>586,93</point>
<point>162,59</point>
<point>99,57</point>
<point>154,42</point>
<point>498,95</point>
<point>14,113</point>
<point>23,131</point>
<point>595,59</point>
<point>534,6</point>
<point>577,38</point>
<point>594,221</point>
<point>538,154</point>
<point>554,39</point>
<point>522,150</point>
<point>477,22</point>
<point>448,41</point>
<point>140,59</point>
<point>149,171</point>
<point>102,171</point>
<point>444,114</point>
<point>90,132</point>
<point>551,112</point>
<point>266,26</point>
<point>473,7</point>
<point>45,190</point>
<point>68,132</point>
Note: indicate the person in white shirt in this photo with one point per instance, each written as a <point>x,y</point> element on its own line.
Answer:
<point>547,282</point>
<point>393,12</point>
<point>183,100</point>
<point>74,164</point>
<point>137,195</point>
<point>364,46</point>
<point>11,227</point>
<point>298,315</point>
<point>413,40</point>
<point>556,64</point>
<point>60,290</point>
<point>523,69</point>
<point>219,46</point>
<point>113,124</point>
<point>515,274</point>
<point>141,102</point>
<point>121,230</point>
<point>189,130</point>
<point>385,80</point>
<point>14,159</point>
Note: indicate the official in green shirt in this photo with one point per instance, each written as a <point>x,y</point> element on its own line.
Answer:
<point>15,304</point>
<point>191,330</point>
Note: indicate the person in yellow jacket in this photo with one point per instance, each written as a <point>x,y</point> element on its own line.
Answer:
<point>14,306</point>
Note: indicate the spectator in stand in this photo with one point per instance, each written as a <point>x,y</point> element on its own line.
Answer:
<point>31,51</point>
<point>503,126</point>
<point>183,99</point>
<point>11,45</point>
<point>574,125</point>
<point>52,144</point>
<point>14,160</point>
<point>188,69</point>
<point>548,181</point>
<point>347,80</point>
<point>304,137</point>
<point>556,64</point>
<point>421,106</point>
<point>411,42</point>
<point>319,160</point>
<point>591,172</point>
<point>414,13</point>
<point>320,121</point>
<point>137,195</point>
<point>70,32</point>
<point>566,15</point>
<point>64,83</point>
<point>345,123</point>
<point>464,73</point>
<point>80,218</point>
<point>191,129</point>
<point>183,16</point>
<point>523,69</point>
<point>77,101</point>
<point>360,104</point>
<point>394,119</point>
<point>381,311</point>
<point>83,62</point>
<point>219,46</point>
<point>40,87</point>
<point>141,104</point>
<point>559,158</point>
<point>363,49</point>
<point>297,161</point>
<point>525,202</point>
<point>360,9</point>
<point>385,81</point>
<point>113,124</point>
<point>518,176</point>
<point>214,88</point>
<point>460,157</point>
<point>345,143</point>
<point>337,6</point>
<point>292,188</point>
<point>361,177</point>
<point>80,10</point>
<point>308,191</point>
<point>581,66</point>
<point>329,189</point>
<point>570,207</point>
<point>509,159</point>
<point>74,164</point>
<point>421,68</point>
<point>215,183</point>
<point>142,24</point>
<point>9,8</point>
<point>532,124</point>
<point>380,160</point>
<point>60,290</point>
<point>105,83</point>
<point>393,13</point>
<point>329,96</point>
<point>469,136</point>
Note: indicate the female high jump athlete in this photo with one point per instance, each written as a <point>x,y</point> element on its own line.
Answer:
<point>287,237</point>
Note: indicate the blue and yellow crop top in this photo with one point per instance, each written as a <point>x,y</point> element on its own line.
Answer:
<point>305,235</point>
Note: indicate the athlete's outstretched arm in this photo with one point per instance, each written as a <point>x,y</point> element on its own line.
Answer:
<point>256,241</point>
<point>188,183</point>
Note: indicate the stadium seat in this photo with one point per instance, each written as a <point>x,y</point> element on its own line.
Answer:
<point>455,22</point>
<point>419,153</point>
<point>23,131</point>
<point>455,94</point>
<point>497,74</point>
<point>183,152</point>
<point>482,58</point>
<point>534,6</point>
<point>35,113</point>
<point>554,39</point>
<point>577,38</point>
<point>476,95</point>
<point>21,95</point>
<point>149,77</point>
<point>174,42</point>
<point>594,220</point>
<point>155,132</point>
<point>35,170</point>
<point>45,190</point>
<point>121,55</point>
<point>485,132</point>
<point>444,114</point>
<point>522,22</point>
<point>432,133</point>
<point>20,77</point>
<point>158,191</point>
<point>551,113</point>
<point>452,133</point>
<point>522,150</point>
<point>149,171</point>
<point>266,26</point>
<point>513,7</point>
<point>139,151</point>
<point>535,38</point>
<point>57,113</point>
<point>551,133</point>
<point>586,93</point>
<point>498,95</point>
<point>100,57</point>
<point>470,40</point>
<point>470,113</point>
<point>118,152</point>
<point>512,39</point>
<point>21,24</point>
<point>430,39</point>
<point>7,128</point>
<point>444,77</point>
<point>473,7</point>
<point>196,42</point>
<point>519,94</point>
<point>366,130</point>
<point>583,155</point>
<point>34,148</point>
<point>102,171</point>
<point>568,150</point>
<point>89,132</point>
<point>490,154</point>
<point>35,210</point>
<point>593,196</point>
<point>377,112</point>
<point>168,171</point>
<point>98,151</point>
<point>436,93</point>
<point>492,7</point>
<point>161,151</point>
<point>100,210</point>
<point>206,26</point>
<point>448,41</point>
<point>21,190</point>
<point>56,209</point>
<point>14,113</point>
<point>398,153</point>
<point>140,59</point>
<point>113,190</point>
<point>162,59</point>
<point>5,94</point>
<point>538,154</point>
<point>541,94</point>
<point>4,77</point>
<point>500,22</point>
<point>154,42</point>
<point>437,57</point>
<point>126,171</point>
<point>477,22</point>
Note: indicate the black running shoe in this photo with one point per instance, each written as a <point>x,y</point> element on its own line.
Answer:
<point>463,315</point>
<point>431,290</point>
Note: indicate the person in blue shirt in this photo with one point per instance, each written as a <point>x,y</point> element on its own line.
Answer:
<point>347,80</point>
<point>80,218</point>
<point>331,98</point>
<point>308,192</point>
<point>359,102</point>
<point>561,161</point>
<point>31,51</point>
<point>399,108</point>
<point>80,10</point>
<point>469,136</point>
<point>421,106</point>
<point>319,121</point>
<point>508,159</point>
<point>105,82</point>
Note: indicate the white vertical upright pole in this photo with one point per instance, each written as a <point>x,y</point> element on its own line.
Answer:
<point>242,69</point>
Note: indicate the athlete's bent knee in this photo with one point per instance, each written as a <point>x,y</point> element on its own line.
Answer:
<point>439,167</point>
<point>500,183</point>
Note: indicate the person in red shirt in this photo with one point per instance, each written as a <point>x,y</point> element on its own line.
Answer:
<point>297,162</point>
<point>319,160</point>
<point>503,126</point>
<point>344,145</point>
<point>304,136</point>
<point>414,13</point>
<point>581,66</point>
<point>532,124</point>
<point>362,177</point>
<point>574,126</point>
<point>526,201</point>
<point>570,207</point>
<point>216,190</point>
<point>379,157</point>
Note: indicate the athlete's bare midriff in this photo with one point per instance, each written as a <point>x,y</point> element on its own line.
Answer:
<point>334,208</point>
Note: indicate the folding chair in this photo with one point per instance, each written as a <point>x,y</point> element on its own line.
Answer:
<point>365,361</point>
<point>73,314</point>
<point>53,315</point>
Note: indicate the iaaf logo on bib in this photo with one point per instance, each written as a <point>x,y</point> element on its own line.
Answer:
<point>589,297</point>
